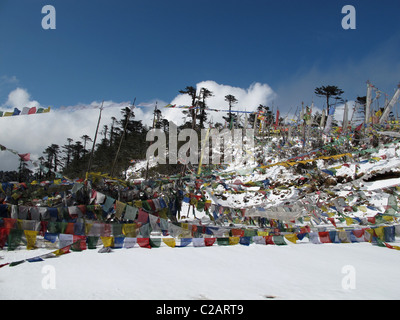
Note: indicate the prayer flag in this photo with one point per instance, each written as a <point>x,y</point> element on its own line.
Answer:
<point>170,242</point>
<point>30,239</point>
<point>32,110</point>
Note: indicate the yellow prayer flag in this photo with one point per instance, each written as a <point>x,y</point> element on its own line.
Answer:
<point>170,242</point>
<point>88,226</point>
<point>380,232</point>
<point>61,251</point>
<point>362,208</point>
<point>387,218</point>
<point>349,221</point>
<point>330,214</point>
<point>185,226</point>
<point>15,195</point>
<point>371,233</point>
<point>129,229</point>
<point>233,240</point>
<point>138,203</point>
<point>163,213</point>
<point>119,208</point>
<point>193,201</point>
<point>30,236</point>
<point>292,237</point>
<point>262,233</point>
<point>107,241</point>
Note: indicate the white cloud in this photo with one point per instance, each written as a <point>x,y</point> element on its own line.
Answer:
<point>248,99</point>
<point>33,133</point>
<point>20,97</point>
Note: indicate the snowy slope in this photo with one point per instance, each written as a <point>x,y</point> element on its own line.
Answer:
<point>236,272</point>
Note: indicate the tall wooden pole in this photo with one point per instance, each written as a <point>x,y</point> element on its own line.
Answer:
<point>94,142</point>
<point>122,137</point>
<point>154,125</point>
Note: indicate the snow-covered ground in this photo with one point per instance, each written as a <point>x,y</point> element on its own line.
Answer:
<point>235,272</point>
<point>256,272</point>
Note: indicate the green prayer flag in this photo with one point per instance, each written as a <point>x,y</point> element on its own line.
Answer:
<point>15,263</point>
<point>155,242</point>
<point>14,239</point>
<point>92,242</point>
<point>223,241</point>
<point>117,229</point>
<point>279,240</point>
<point>146,206</point>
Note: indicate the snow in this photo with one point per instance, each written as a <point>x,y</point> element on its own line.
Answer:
<point>379,184</point>
<point>236,272</point>
<point>255,272</point>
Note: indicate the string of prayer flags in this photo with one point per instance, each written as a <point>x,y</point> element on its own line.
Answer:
<point>379,236</point>
<point>25,111</point>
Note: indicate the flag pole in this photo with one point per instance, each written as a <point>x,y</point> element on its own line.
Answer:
<point>122,137</point>
<point>154,125</point>
<point>94,142</point>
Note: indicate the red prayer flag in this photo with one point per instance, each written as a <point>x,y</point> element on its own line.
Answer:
<point>3,236</point>
<point>324,237</point>
<point>144,242</point>
<point>9,223</point>
<point>277,118</point>
<point>269,240</point>
<point>371,220</point>
<point>70,228</point>
<point>143,216</point>
<point>209,241</point>
<point>25,156</point>
<point>237,233</point>
<point>32,110</point>
<point>79,243</point>
<point>388,245</point>
<point>332,220</point>
<point>359,127</point>
<point>358,233</point>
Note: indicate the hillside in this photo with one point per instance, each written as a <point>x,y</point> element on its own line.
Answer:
<point>287,229</point>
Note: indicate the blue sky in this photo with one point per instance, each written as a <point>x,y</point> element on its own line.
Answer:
<point>118,50</point>
<point>262,51</point>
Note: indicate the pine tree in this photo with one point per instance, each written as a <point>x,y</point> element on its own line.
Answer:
<point>328,92</point>
<point>231,118</point>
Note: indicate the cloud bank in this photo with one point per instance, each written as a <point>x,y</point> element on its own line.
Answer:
<point>34,133</point>
<point>248,99</point>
